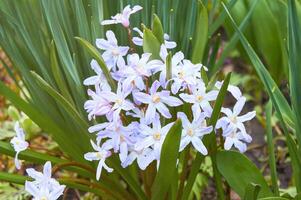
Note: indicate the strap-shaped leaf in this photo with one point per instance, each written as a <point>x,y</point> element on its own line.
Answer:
<point>96,55</point>
<point>151,44</point>
<point>158,29</point>
<point>239,171</point>
<point>200,34</point>
<point>168,162</point>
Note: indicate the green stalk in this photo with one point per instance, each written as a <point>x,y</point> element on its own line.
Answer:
<point>271,149</point>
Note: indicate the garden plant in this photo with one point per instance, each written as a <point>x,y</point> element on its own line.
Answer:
<point>133,99</point>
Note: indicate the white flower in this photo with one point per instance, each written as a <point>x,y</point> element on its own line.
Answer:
<point>186,75</point>
<point>97,106</point>
<point>234,90</point>
<point>99,80</point>
<point>200,99</point>
<point>156,101</point>
<point>122,18</point>
<point>237,139</point>
<point>193,132</point>
<point>143,157</point>
<point>43,192</point>
<point>175,61</point>
<point>120,137</point>
<point>43,186</point>
<point>112,52</point>
<point>19,144</point>
<point>139,40</point>
<point>137,70</point>
<point>118,100</point>
<point>232,120</point>
<point>101,154</point>
<point>154,137</point>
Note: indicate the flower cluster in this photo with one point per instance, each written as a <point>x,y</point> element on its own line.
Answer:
<point>43,187</point>
<point>140,113</point>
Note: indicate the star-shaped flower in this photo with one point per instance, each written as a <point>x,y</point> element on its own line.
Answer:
<point>124,17</point>
<point>19,144</point>
<point>112,52</point>
<point>100,154</point>
<point>193,132</point>
<point>157,101</point>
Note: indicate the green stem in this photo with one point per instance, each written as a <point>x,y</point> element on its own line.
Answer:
<point>271,149</point>
<point>184,173</point>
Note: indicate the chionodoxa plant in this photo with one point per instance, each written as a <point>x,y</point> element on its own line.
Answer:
<point>147,107</point>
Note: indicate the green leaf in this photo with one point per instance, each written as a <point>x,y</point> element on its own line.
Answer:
<point>62,101</point>
<point>168,162</point>
<point>158,29</point>
<point>200,34</point>
<point>58,74</point>
<point>239,171</point>
<point>168,66</point>
<point>273,198</point>
<point>96,55</point>
<point>151,44</point>
<point>294,49</point>
<point>251,192</point>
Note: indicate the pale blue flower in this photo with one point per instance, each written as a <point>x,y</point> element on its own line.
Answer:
<point>153,136</point>
<point>157,101</point>
<point>112,52</point>
<point>19,144</point>
<point>193,132</point>
<point>200,98</point>
<point>43,186</point>
<point>122,18</point>
<point>101,154</point>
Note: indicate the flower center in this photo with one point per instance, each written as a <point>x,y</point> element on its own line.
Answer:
<point>119,101</point>
<point>115,52</point>
<point>157,136</point>
<point>156,99</point>
<point>122,138</point>
<point>234,119</point>
<point>199,98</point>
<point>43,198</point>
<point>181,74</point>
<point>99,155</point>
<point>190,132</point>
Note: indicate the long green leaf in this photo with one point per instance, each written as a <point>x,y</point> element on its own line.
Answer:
<point>168,162</point>
<point>239,171</point>
<point>151,44</point>
<point>200,34</point>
